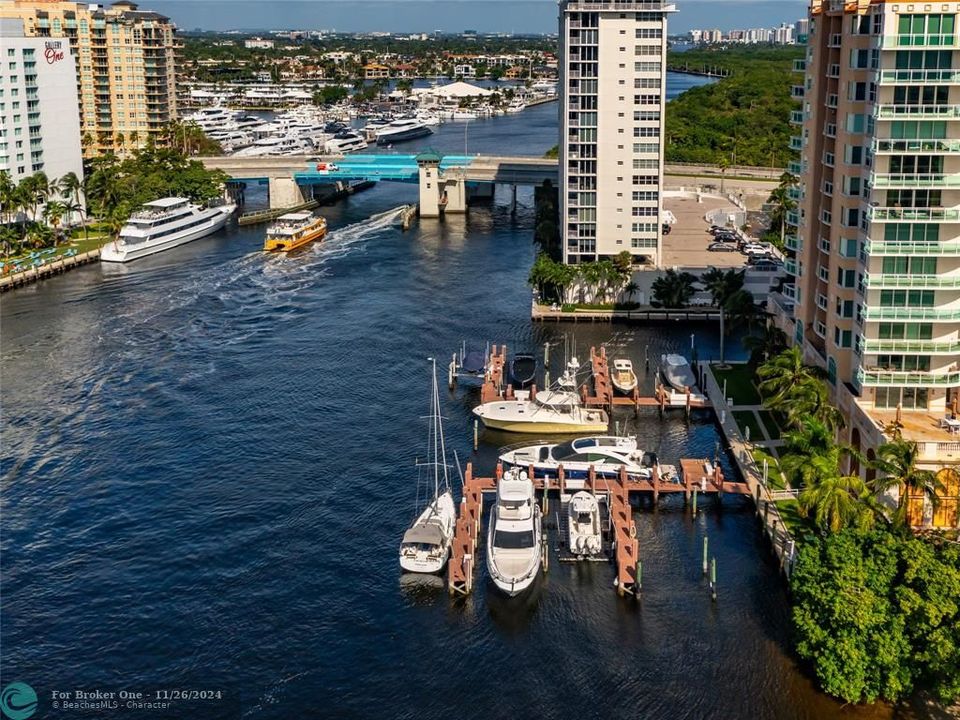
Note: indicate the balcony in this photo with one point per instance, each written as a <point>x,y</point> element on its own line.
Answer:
<point>930,347</point>
<point>795,168</point>
<point>893,214</point>
<point>793,218</point>
<point>796,117</point>
<point>919,77</point>
<point>897,112</point>
<point>907,379</point>
<point>924,41</point>
<point>792,267</point>
<point>883,281</point>
<point>799,66</point>
<point>796,143</point>
<point>933,314</point>
<point>623,5</point>
<point>903,180</point>
<point>797,92</point>
<point>795,192</point>
<point>878,248</point>
<point>793,242</point>
<point>897,147</point>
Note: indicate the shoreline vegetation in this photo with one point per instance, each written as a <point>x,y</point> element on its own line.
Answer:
<point>875,610</point>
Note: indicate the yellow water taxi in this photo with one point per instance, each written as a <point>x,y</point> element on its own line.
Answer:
<point>294,230</point>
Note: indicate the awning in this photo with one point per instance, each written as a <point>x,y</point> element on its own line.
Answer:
<point>427,533</point>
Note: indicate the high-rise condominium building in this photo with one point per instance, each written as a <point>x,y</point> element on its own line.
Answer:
<point>874,296</point>
<point>126,64</point>
<point>39,124</point>
<point>612,74</point>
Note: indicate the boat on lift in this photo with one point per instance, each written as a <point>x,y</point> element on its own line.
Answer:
<point>606,454</point>
<point>623,377</point>
<point>548,411</point>
<point>425,547</point>
<point>677,372</point>
<point>523,369</point>
<point>514,535</point>
<point>584,531</point>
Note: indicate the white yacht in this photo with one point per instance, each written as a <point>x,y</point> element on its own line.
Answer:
<point>402,130</point>
<point>514,535</point>
<point>623,377</point>
<point>584,532</point>
<point>345,141</point>
<point>428,118</point>
<point>426,544</point>
<point>277,145</point>
<point>211,117</point>
<point>164,224</point>
<point>606,454</point>
<point>516,105</point>
<point>677,371</point>
<point>549,411</point>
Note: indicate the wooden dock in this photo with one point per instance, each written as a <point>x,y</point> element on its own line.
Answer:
<point>605,397</point>
<point>696,477</point>
<point>39,272</point>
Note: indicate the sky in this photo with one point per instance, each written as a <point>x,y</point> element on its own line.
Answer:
<point>519,16</point>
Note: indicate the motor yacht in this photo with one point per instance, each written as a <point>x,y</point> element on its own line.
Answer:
<point>677,372</point>
<point>606,454</point>
<point>548,411</point>
<point>623,377</point>
<point>402,130</point>
<point>584,531</point>
<point>514,535</point>
<point>345,141</point>
<point>164,224</point>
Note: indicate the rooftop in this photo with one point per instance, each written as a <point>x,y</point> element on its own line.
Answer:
<point>686,245</point>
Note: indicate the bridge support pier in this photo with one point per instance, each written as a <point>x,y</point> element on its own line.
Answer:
<point>284,192</point>
<point>455,192</point>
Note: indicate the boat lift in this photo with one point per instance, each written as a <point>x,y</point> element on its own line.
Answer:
<point>470,366</point>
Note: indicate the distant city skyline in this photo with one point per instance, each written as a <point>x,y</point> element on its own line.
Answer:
<point>524,16</point>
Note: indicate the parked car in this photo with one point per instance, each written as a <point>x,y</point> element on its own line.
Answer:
<point>751,248</point>
<point>721,247</point>
<point>766,265</point>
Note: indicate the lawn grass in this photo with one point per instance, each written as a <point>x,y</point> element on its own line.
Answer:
<point>770,423</point>
<point>774,477</point>
<point>740,386</point>
<point>81,245</point>
<point>748,419</point>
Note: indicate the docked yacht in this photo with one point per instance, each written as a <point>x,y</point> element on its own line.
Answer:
<point>606,454</point>
<point>294,230</point>
<point>514,535</point>
<point>164,224</point>
<point>549,411</point>
<point>623,377</point>
<point>277,145</point>
<point>426,544</point>
<point>345,141</point>
<point>677,372</point>
<point>584,531</point>
<point>402,130</point>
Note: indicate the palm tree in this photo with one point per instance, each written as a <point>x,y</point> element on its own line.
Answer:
<point>8,191</point>
<point>724,164</point>
<point>41,188</point>
<point>896,464</point>
<point>630,289</point>
<point>781,374</point>
<point>772,341</point>
<point>835,500</point>
<point>53,213</point>
<point>674,289</point>
<point>722,284</point>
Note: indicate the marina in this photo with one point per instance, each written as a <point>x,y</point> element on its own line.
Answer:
<point>266,557</point>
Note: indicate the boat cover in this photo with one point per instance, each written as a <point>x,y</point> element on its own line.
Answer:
<point>425,533</point>
<point>474,362</point>
<point>678,373</point>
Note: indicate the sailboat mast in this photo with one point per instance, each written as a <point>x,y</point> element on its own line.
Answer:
<point>434,417</point>
<point>442,457</point>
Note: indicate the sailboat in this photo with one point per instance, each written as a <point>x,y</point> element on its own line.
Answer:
<point>426,544</point>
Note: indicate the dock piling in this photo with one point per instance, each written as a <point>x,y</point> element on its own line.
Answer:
<point>694,502</point>
<point>713,579</point>
<point>546,358</point>
<point>639,577</point>
<point>705,545</point>
<point>476,434</point>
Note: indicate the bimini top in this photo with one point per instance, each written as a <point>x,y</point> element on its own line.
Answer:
<point>166,203</point>
<point>425,533</point>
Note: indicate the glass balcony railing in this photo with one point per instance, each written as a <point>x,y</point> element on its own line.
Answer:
<point>910,180</point>
<point>907,379</point>
<point>918,77</point>
<point>879,248</point>
<point>878,281</point>
<point>885,146</point>
<point>795,192</point>
<point>792,242</point>
<point>796,117</point>
<point>894,214</point>
<point>898,112</point>
<point>912,313</point>
<point>925,41</point>
<point>792,267</point>
<point>795,168</point>
<point>944,347</point>
<point>793,219</point>
<point>796,92</point>
<point>799,66</point>
<point>796,143</point>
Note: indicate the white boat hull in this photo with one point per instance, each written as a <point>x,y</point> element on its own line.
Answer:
<point>513,583</point>
<point>121,252</point>
<point>432,559</point>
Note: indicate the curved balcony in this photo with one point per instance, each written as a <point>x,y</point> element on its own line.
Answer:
<point>879,248</point>
<point>930,347</point>
<point>919,77</point>
<point>917,112</point>
<point>883,281</point>
<point>896,147</point>
<point>913,180</point>
<point>912,313</point>
<point>895,214</point>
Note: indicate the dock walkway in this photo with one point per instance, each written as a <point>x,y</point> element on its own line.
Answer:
<point>48,269</point>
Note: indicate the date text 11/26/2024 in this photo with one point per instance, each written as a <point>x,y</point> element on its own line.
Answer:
<point>132,699</point>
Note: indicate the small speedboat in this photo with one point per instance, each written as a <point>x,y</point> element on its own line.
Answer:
<point>624,378</point>
<point>605,454</point>
<point>583,525</point>
<point>677,372</point>
<point>523,369</point>
<point>514,535</point>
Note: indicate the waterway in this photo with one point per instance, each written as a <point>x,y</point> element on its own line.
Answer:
<point>208,462</point>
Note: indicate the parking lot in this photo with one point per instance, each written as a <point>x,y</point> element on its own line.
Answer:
<point>686,245</point>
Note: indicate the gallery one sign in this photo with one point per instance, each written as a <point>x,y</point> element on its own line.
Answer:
<point>53,51</point>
